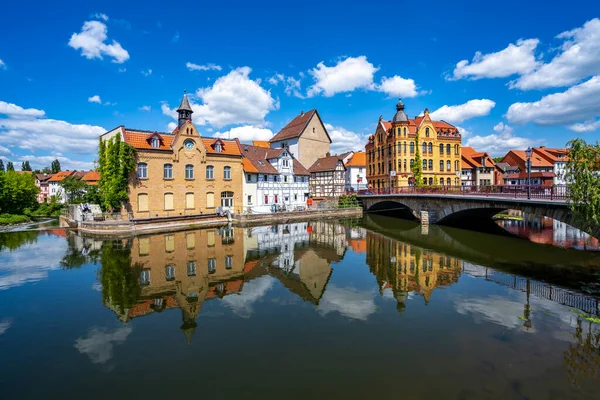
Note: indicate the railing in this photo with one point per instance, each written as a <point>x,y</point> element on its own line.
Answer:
<point>538,192</point>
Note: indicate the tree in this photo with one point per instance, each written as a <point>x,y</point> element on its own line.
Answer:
<point>74,188</point>
<point>10,166</point>
<point>497,159</point>
<point>1,166</point>
<point>25,166</point>
<point>46,170</point>
<point>116,160</point>
<point>55,166</point>
<point>17,192</point>
<point>583,177</point>
<point>417,167</point>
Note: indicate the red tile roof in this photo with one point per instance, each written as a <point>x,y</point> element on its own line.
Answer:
<point>358,159</point>
<point>473,158</point>
<point>141,139</point>
<point>299,168</point>
<point>261,143</point>
<point>536,159</point>
<point>294,128</point>
<point>92,177</point>
<point>228,147</point>
<point>59,176</point>
<point>328,163</point>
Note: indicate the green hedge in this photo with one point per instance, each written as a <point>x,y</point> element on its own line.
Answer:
<point>9,219</point>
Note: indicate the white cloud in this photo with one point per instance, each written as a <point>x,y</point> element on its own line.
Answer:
<point>576,104</point>
<point>291,85</point>
<point>459,113</point>
<point>147,72</point>
<point>39,162</point>
<point>246,134</point>
<point>207,67</point>
<point>5,150</point>
<point>347,301</point>
<point>494,309</point>
<point>346,76</point>
<point>344,140</point>
<point>4,325</point>
<point>99,343</point>
<point>587,126</point>
<point>101,16</point>
<point>255,290</point>
<point>171,126</point>
<point>91,43</point>
<point>499,143</point>
<point>398,86</point>
<point>175,37</point>
<point>579,58</point>
<point>14,111</point>
<point>95,99</point>
<point>233,99</point>
<point>275,79</point>
<point>145,108</point>
<point>2,64</point>
<point>515,59</point>
<point>122,69</point>
<point>28,129</point>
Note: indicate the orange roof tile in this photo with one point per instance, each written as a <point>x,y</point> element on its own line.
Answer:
<point>59,176</point>
<point>261,143</point>
<point>248,167</point>
<point>229,147</point>
<point>141,139</point>
<point>91,176</point>
<point>358,159</point>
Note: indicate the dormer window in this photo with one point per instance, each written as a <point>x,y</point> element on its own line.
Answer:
<point>218,147</point>
<point>155,143</point>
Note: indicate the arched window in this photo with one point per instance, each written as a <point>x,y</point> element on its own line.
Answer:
<point>168,171</point>
<point>442,181</point>
<point>448,149</point>
<point>142,170</point>
<point>456,165</point>
<point>448,165</point>
<point>189,200</point>
<point>226,199</point>
<point>424,181</point>
<point>456,149</point>
<point>456,181</point>
<point>424,164</point>
<point>405,145</point>
<point>441,165</point>
<point>441,148</point>
<point>398,132</point>
<point>405,165</point>
<point>427,132</point>
<point>430,148</point>
<point>405,133</point>
<point>399,147</point>
<point>449,182</point>
<point>424,148</point>
<point>412,147</point>
<point>431,165</point>
<point>412,163</point>
<point>210,172</point>
<point>189,171</point>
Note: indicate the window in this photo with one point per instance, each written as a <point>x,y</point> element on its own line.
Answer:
<point>249,199</point>
<point>427,132</point>
<point>405,165</point>
<point>169,201</point>
<point>155,143</point>
<point>431,165</point>
<point>168,171</point>
<point>442,181</point>
<point>226,172</point>
<point>144,244</point>
<point>430,146</point>
<point>266,199</point>
<point>441,148</point>
<point>360,169</point>
<point>145,277</point>
<point>212,265</point>
<point>189,201</point>
<point>276,198</point>
<point>191,268</point>
<point>190,241</point>
<point>210,239</point>
<point>456,149</point>
<point>424,147</point>
<point>456,165</point>
<point>398,132</point>
<point>285,178</point>
<point>210,200</point>
<point>430,181</point>
<point>226,199</point>
<point>142,170</point>
<point>218,147</point>
<point>412,147</point>
<point>295,197</point>
<point>169,243</point>
<point>170,272</point>
<point>228,262</point>
<point>189,171</point>
<point>399,146</point>
<point>448,149</point>
<point>210,172</point>
<point>412,163</point>
<point>285,163</point>
<point>448,165</point>
<point>449,181</point>
<point>441,165</point>
<point>405,135</point>
<point>143,202</point>
<point>424,164</point>
<point>424,181</point>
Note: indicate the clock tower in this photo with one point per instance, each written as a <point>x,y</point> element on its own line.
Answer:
<point>184,111</point>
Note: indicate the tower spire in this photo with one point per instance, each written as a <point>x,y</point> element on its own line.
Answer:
<point>184,111</point>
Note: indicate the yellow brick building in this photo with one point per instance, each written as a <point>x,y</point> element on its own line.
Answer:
<point>393,148</point>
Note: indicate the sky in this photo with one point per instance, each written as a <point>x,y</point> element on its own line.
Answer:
<point>509,74</point>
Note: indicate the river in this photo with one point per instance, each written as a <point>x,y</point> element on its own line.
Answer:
<point>376,307</point>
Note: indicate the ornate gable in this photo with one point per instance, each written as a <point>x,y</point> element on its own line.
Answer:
<point>187,141</point>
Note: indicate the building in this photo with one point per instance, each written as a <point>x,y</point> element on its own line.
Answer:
<point>542,170</point>
<point>328,176</point>
<point>182,173</point>
<point>272,177</point>
<point>356,177</point>
<point>54,187</point>
<point>559,158</point>
<point>505,170</point>
<point>478,168</point>
<point>91,178</point>
<point>305,136</point>
<point>41,181</point>
<point>392,149</point>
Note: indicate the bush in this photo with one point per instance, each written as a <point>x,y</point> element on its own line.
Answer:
<point>348,201</point>
<point>51,209</point>
<point>9,219</point>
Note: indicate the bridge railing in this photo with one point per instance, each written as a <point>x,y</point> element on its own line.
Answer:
<point>555,192</point>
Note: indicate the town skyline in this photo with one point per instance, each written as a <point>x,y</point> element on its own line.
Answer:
<point>63,86</point>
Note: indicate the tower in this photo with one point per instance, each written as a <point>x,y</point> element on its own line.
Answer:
<point>400,114</point>
<point>184,111</point>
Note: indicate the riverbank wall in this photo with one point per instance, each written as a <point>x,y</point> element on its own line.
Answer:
<point>134,227</point>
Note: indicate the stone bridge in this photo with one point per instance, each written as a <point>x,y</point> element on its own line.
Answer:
<point>457,209</point>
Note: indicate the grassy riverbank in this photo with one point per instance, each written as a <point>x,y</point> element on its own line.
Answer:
<point>509,217</point>
<point>11,219</point>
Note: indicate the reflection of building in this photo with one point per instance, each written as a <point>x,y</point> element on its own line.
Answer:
<point>330,234</point>
<point>405,268</point>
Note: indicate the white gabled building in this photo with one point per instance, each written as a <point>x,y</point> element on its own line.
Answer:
<point>272,178</point>
<point>356,171</point>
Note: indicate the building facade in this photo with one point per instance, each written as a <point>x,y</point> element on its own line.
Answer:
<point>305,136</point>
<point>392,150</point>
<point>41,181</point>
<point>182,173</point>
<point>328,176</point>
<point>478,168</point>
<point>356,172</point>
<point>273,179</point>
<point>542,170</point>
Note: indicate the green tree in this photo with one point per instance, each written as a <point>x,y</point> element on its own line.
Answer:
<point>46,170</point>
<point>119,278</point>
<point>55,167</point>
<point>497,159</point>
<point>417,167</point>
<point>116,161</point>
<point>74,187</point>
<point>25,166</point>
<point>1,165</point>
<point>10,166</point>
<point>17,192</point>
<point>583,177</point>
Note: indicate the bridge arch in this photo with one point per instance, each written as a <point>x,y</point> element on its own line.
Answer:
<point>392,207</point>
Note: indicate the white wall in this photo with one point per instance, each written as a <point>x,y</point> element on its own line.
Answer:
<point>352,174</point>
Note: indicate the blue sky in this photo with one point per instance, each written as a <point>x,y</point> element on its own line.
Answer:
<point>511,75</point>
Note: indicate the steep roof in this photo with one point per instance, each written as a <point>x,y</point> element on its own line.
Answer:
<point>327,163</point>
<point>59,176</point>
<point>472,158</point>
<point>228,147</point>
<point>142,139</point>
<point>43,177</point>
<point>185,104</point>
<point>257,159</point>
<point>358,159</point>
<point>299,168</point>
<point>91,177</point>
<point>294,128</point>
<point>521,157</point>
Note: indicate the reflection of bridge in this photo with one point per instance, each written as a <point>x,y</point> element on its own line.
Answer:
<point>450,207</point>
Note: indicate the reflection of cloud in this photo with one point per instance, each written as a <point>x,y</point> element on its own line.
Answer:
<point>253,291</point>
<point>493,309</point>
<point>4,325</point>
<point>97,287</point>
<point>348,302</point>
<point>99,343</point>
<point>30,262</point>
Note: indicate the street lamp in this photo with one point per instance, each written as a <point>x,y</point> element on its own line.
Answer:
<point>529,153</point>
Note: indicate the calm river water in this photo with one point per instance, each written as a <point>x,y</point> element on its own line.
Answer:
<point>371,308</point>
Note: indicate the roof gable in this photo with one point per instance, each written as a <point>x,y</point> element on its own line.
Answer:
<point>296,127</point>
